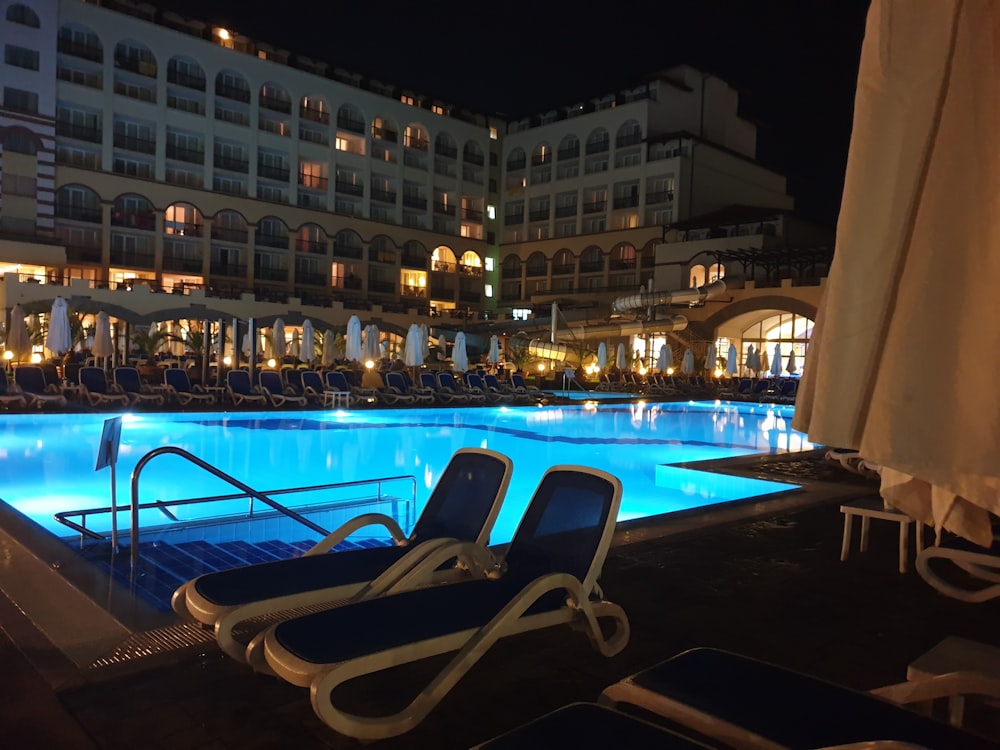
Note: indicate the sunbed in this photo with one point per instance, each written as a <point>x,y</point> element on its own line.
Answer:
<point>241,391</point>
<point>272,387</point>
<point>31,380</point>
<point>97,391</point>
<point>128,381</point>
<point>179,387</point>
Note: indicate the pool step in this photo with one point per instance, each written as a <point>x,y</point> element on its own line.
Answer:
<point>163,566</point>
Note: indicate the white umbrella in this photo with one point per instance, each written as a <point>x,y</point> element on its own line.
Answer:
<point>307,350</point>
<point>425,342</point>
<point>620,361</point>
<point>329,343</point>
<point>776,365</point>
<point>353,349</point>
<point>459,356</point>
<point>732,364</point>
<point>750,360</point>
<point>278,338</point>
<point>669,356</point>
<point>602,356</point>
<point>760,360</point>
<point>58,338</point>
<point>710,358</point>
<point>661,361</point>
<point>917,223</point>
<point>494,353</point>
<point>18,339</point>
<point>295,345</point>
<point>245,348</point>
<point>687,364</point>
<point>413,353</point>
<point>102,337</point>
<point>790,363</point>
<point>370,348</point>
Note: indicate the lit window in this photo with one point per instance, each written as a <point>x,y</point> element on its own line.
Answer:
<point>493,133</point>
<point>520,313</point>
<point>489,263</point>
<point>489,290</point>
<point>491,212</point>
<point>407,100</point>
<point>437,110</point>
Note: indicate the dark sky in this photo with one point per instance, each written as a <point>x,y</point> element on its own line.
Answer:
<point>794,61</point>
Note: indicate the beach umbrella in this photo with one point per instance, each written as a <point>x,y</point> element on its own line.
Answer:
<point>687,364</point>
<point>916,222</point>
<point>776,365</point>
<point>761,361</point>
<point>353,347</point>
<point>413,351</point>
<point>732,363</point>
<point>18,339</point>
<point>307,350</point>
<point>425,342</point>
<point>370,348</point>
<point>459,356</point>
<point>750,357</point>
<point>329,346</point>
<point>669,355</point>
<point>710,358</point>
<point>57,339</point>
<point>102,347</point>
<point>278,338</point>
<point>661,361</point>
<point>602,356</point>
<point>245,347</point>
<point>790,363</point>
<point>295,345</point>
<point>494,354</point>
<point>620,361</point>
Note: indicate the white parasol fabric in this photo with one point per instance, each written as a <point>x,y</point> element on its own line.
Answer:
<point>413,350</point>
<point>661,360</point>
<point>370,348</point>
<point>245,348</point>
<point>732,360</point>
<point>329,348</point>
<point>425,342</point>
<point>687,364</point>
<point>307,349</point>
<point>278,338</point>
<point>776,365</point>
<point>102,347</point>
<point>353,346</point>
<point>459,355</point>
<point>761,361</point>
<point>710,358</point>
<point>620,361</point>
<point>494,354</point>
<point>295,345</point>
<point>917,224</point>
<point>602,356</point>
<point>18,339</point>
<point>790,364</point>
<point>751,358</point>
<point>58,339</point>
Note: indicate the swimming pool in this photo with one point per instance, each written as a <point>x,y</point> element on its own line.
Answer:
<point>47,460</point>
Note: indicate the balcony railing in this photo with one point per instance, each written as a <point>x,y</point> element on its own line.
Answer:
<point>181,263</point>
<point>83,254</point>
<point>660,196</point>
<point>132,258</point>
<point>627,264</point>
<point>539,215</point>
<point>315,115</point>
<point>231,163</point>
<point>442,266</point>
<point>450,152</point>
<point>563,269</point>
<point>628,139</point>
<point>230,235</point>
<point>540,160</point>
<point>179,229</point>
<point>591,266</point>
<point>186,80</point>
<point>235,93</point>
<point>564,211</point>
<point>271,240</point>
<point>273,172</point>
<point>418,144</point>
<point>270,274</point>
<point>472,214</point>
<point>569,153</point>
<point>510,219</point>
<point>189,155</point>
<point>510,273</point>
<point>626,201</point>
<point>275,104</point>
<point>446,209</point>
<point>89,214</point>
<point>316,247</point>
<point>75,48</point>
<point>414,201</point>
<point>534,271</point>
<point>384,196</point>
<point>89,133</point>
<point>136,65</point>
<point>598,147</point>
<point>385,134</point>
<point>351,124</point>
<point>381,287</point>
<point>139,145</point>
<point>474,159</point>
<point>312,278</point>
<point>348,251</point>
<point>517,165</point>
<point>228,269</point>
<point>595,207</point>
<point>349,188</point>
<point>313,182</point>
<point>413,261</point>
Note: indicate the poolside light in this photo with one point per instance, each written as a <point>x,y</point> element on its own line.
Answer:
<point>642,370</point>
<point>36,358</point>
<point>369,364</point>
<point>541,367</point>
<point>718,372</point>
<point>670,371</point>
<point>8,355</point>
<point>271,363</point>
<point>227,360</point>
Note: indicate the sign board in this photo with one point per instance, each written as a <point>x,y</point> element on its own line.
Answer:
<point>107,454</point>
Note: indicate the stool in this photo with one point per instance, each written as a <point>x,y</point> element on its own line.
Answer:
<point>955,654</point>
<point>873,507</point>
<point>336,399</point>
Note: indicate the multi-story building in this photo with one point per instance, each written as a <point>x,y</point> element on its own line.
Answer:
<point>141,148</point>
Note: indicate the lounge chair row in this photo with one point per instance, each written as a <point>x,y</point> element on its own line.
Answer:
<point>386,606</point>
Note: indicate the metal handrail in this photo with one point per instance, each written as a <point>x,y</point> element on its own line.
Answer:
<point>246,491</point>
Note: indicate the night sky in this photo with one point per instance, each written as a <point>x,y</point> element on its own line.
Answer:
<point>794,61</point>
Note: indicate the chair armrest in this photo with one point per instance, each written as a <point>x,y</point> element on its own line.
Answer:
<point>341,533</point>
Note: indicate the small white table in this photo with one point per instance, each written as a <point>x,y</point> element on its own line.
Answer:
<point>335,399</point>
<point>955,654</point>
<point>873,507</point>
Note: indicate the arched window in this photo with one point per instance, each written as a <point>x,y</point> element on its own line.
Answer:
<point>271,232</point>
<point>623,256</point>
<point>21,142</point>
<point>541,155</point>
<point>135,57</point>
<point>132,211</point>
<point>314,108</point>
<point>182,219</point>
<point>311,238</point>
<point>186,72</point>
<point>569,147</point>
<point>471,263</point>
<point>716,271</point>
<point>229,226</point>
<point>351,119</point>
<point>416,137</point>
<point>697,277</point>
<point>384,129</point>
<point>347,244</point>
<point>516,160</point>
<point>231,85</point>
<point>23,15</point>
<point>472,153</point>
<point>537,264</point>
<point>510,268</point>
<point>80,41</point>
<point>78,203</point>
<point>275,97</point>
<point>591,260</point>
<point>628,134</point>
<point>598,141</point>
<point>445,145</point>
<point>563,263</point>
<point>443,259</point>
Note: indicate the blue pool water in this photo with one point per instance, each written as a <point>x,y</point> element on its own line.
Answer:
<point>47,461</point>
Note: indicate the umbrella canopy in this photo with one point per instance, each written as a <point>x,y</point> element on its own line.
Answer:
<point>295,345</point>
<point>329,346</point>
<point>245,348</point>
<point>790,363</point>
<point>602,356</point>
<point>776,366</point>
<point>459,356</point>
<point>425,342</point>
<point>494,354</point>
<point>278,338</point>
<point>370,349</point>
<point>661,361</point>
<point>353,348</point>
<point>102,336</point>
<point>18,340</point>
<point>916,223</point>
<point>58,338</point>
<point>750,360</point>
<point>732,360</point>
<point>710,357</point>
<point>620,361</point>
<point>687,364</point>
<point>413,352</point>
<point>761,361</point>
<point>307,349</point>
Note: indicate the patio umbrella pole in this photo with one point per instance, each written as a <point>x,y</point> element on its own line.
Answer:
<point>253,346</point>
<point>206,349</point>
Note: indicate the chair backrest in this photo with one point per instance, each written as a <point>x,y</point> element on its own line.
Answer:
<point>397,381</point>
<point>568,525</point>
<point>293,378</point>
<point>177,379</point>
<point>789,387</point>
<point>466,499</point>
<point>517,380</point>
<point>94,379</point>
<point>492,383</point>
<point>761,386</point>
<point>30,378</point>
<point>239,381</point>
<point>336,380</point>
<point>446,380</point>
<point>311,379</point>
<point>474,381</point>
<point>3,382</point>
<point>128,379</point>
<point>271,380</point>
<point>427,380</point>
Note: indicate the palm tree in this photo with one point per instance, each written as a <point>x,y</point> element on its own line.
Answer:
<point>150,342</point>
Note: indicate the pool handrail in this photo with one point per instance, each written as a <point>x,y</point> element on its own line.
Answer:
<point>246,489</point>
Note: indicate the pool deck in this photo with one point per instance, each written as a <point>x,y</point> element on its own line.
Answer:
<point>766,582</point>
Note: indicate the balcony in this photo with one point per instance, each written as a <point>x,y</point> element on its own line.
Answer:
<point>132,258</point>
<point>413,291</point>
<point>517,165</point>
<point>595,207</point>
<point>626,201</point>
<point>139,145</point>
<point>381,287</point>
<point>469,296</point>
<point>413,261</point>
<point>273,172</point>
<point>414,201</point>
<point>472,214</point>
<point>566,269</point>
<point>470,270</point>
<point>271,240</point>
<point>189,155</point>
<point>312,278</point>
<point>83,254</point>
<point>660,196</point>
<point>181,263</point>
<point>351,124</point>
<point>145,68</point>
<point>349,188</point>
<point>228,269</point>
<point>355,252</point>
<point>270,274</point>
<point>541,160</point>
<point>563,212</point>
<point>275,104</point>
<point>598,147</point>
<point>539,215</point>
<point>384,196</point>
<point>384,134</point>
<point>316,247</point>
<point>313,182</point>
<point>226,234</point>
<point>179,229</point>
<point>623,264</point>
<point>445,209</point>
<point>417,144</point>
<point>512,219</point>
<point>89,214</point>
<point>510,273</point>
<point>231,163</point>
<point>591,266</point>
<point>314,115</point>
<point>535,271</point>
<point>89,133</point>
<point>234,93</point>
<point>92,52</point>
<point>569,153</point>
<point>628,139</point>
<point>442,266</point>
<point>186,80</point>
<point>352,282</point>
<point>476,160</point>
<point>449,152</point>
